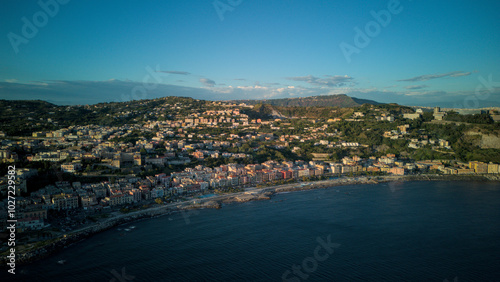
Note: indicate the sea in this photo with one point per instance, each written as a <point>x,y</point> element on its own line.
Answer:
<point>399,231</point>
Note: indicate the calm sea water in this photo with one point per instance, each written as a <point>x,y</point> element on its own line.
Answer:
<point>413,231</point>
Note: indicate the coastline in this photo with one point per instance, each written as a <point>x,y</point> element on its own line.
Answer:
<point>250,194</point>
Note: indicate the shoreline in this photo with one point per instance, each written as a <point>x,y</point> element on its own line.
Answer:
<point>250,194</point>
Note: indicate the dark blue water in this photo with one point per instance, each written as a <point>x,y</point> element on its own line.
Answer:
<point>414,231</point>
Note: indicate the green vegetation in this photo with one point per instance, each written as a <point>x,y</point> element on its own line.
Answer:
<point>340,100</point>
<point>477,118</point>
<point>22,118</point>
<point>133,137</point>
<point>303,117</point>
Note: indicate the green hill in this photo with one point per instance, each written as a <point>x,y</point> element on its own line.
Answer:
<point>341,100</point>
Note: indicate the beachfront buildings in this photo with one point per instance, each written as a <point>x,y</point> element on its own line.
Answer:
<point>129,190</point>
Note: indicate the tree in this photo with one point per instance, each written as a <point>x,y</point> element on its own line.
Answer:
<point>88,168</point>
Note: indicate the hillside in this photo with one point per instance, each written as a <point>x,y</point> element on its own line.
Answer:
<point>265,110</point>
<point>22,117</point>
<point>341,101</point>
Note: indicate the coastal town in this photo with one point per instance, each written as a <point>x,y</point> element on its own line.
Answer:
<point>175,151</point>
<point>232,140</point>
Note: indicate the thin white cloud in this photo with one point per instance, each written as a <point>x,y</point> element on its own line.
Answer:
<point>329,81</point>
<point>92,92</point>
<point>435,76</point>
<point>207,82</point>
<point>176,72</point>
<point>415,87</point>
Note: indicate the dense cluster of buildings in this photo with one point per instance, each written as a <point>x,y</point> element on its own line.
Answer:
<point>127,190</point>
<point>182,138</point>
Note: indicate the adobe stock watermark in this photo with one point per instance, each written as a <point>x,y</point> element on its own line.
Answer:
<point>121,277</point>
<point>221,8</point>
<point>310,264</point>
<point>396,185</point>
<point>482,92</point>
<point>372,29</point>
<point>150,82</point>
<point>187,215</point>
<point>40,19</point>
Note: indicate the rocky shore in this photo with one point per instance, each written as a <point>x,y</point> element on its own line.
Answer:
<point>216,202</point>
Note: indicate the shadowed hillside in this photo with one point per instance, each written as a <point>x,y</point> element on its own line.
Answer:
<point>341,100</point>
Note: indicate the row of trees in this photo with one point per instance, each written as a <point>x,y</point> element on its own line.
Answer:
<point>477,118</point>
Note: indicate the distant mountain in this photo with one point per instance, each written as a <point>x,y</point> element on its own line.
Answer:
<point>341,101</point>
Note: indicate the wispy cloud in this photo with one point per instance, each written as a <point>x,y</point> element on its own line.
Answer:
<point>427,98</point>
<point>265,92</point>
<point>415,87</point>
<point>207,82</point>
<point>63,92</point>
<point>435,76</point>
<point>426,94</point>
<point>176,72</point>
<point>91,92</point>
<point>329,81</point>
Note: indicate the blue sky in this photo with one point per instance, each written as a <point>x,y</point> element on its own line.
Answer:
<point>84,52</point>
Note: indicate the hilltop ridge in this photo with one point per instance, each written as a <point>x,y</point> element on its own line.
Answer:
<point>339,100</point>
